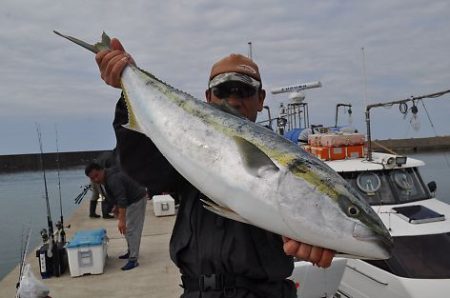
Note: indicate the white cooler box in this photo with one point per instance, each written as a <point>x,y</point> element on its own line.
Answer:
<point>163,205</point>
<point>87,252</point>
<point>312,281</point>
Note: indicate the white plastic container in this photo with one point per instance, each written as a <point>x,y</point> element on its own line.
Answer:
<point>163,205</point>
<point>86,252</point>
<point>313,281</point>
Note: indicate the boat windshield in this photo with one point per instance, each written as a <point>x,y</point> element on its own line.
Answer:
<point>424,256</point>
<point>389,186</point>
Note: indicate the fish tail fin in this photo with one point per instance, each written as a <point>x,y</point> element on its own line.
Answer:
<point>95,48</point>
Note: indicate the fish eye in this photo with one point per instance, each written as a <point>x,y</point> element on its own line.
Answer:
<point>353,211</point>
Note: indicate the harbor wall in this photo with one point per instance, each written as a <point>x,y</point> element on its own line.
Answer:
<point>31,162</point>
<point>413,145</point>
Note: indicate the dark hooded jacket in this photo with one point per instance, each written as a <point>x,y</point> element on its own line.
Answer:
<point>202,242</point>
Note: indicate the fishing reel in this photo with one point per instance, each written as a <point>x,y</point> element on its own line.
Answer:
<point>44,235</point>
<point>59,225</point>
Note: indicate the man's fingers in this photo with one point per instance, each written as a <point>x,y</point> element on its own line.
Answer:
<point>112,62</point>
<point>304,252</point>
<point>114,68</point>
<point>319,256</point>
<point>107,59</point>
<point>327,258</point>
<point>122,228</point>
<point>99,57</point>
<point>290,247</point>
<point>316,254</point>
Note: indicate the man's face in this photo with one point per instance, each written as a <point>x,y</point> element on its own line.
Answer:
<point>97,176</point>
<point>242,97</point>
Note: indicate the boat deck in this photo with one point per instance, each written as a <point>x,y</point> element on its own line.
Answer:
<point>156,275</point>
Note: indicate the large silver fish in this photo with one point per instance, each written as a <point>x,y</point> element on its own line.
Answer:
<point>250,173</point>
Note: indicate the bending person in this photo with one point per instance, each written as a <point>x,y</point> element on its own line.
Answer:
<point>130,200</point>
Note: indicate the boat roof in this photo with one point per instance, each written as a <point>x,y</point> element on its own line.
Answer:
<point>401,227</point>
<point>377,164</point>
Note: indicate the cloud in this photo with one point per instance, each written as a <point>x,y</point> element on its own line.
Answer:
<point>46,78</point>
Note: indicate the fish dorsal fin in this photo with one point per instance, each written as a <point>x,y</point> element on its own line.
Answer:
<point>222,211</point>
<point>256,161</point>
<point>227,108</point>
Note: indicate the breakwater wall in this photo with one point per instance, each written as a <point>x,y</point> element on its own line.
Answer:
<point>32,161</point>
<point>413,145</point>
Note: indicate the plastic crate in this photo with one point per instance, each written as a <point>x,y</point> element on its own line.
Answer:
<point>163,205</point>
<point>86,252</point>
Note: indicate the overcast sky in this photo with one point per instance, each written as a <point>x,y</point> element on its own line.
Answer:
<point>47,80</point>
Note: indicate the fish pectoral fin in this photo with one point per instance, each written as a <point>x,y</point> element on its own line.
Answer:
<point>222,211</point>
<point>256,161</point>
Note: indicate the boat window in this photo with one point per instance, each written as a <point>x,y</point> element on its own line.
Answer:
<point>407,185</point>
<point>424,256</point>
<point>388,186</point>
<point>368,182</point>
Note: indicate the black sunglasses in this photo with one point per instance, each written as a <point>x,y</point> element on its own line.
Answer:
<point>237,89</point>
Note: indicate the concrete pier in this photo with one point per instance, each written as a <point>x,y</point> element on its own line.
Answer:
<point>156,275</point>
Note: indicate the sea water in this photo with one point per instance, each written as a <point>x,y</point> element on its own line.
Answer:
<point>22,206</point>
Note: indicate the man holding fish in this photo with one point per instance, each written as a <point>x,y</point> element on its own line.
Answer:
<point>216,256</point>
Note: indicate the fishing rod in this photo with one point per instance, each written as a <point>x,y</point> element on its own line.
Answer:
<point>83,193</point>
<point>23,255</point>
<point>49,256</point>
<point>47,201</point>
<point>60,225</point>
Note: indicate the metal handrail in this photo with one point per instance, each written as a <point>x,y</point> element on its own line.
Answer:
<point>391,103</point>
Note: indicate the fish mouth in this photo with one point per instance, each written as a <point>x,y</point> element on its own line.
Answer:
<point>382,239</point>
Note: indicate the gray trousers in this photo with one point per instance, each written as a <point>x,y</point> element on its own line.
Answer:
<point>135,214</point>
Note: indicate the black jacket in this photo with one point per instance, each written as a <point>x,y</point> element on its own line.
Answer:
<point>203,242</point>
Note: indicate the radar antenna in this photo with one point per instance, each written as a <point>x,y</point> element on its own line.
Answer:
<point>291,115</point>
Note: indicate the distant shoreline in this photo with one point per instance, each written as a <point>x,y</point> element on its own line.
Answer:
<point>31,162</point>
<point>413,145</point>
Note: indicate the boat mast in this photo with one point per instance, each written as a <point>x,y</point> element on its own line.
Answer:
<point>364,74</point>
